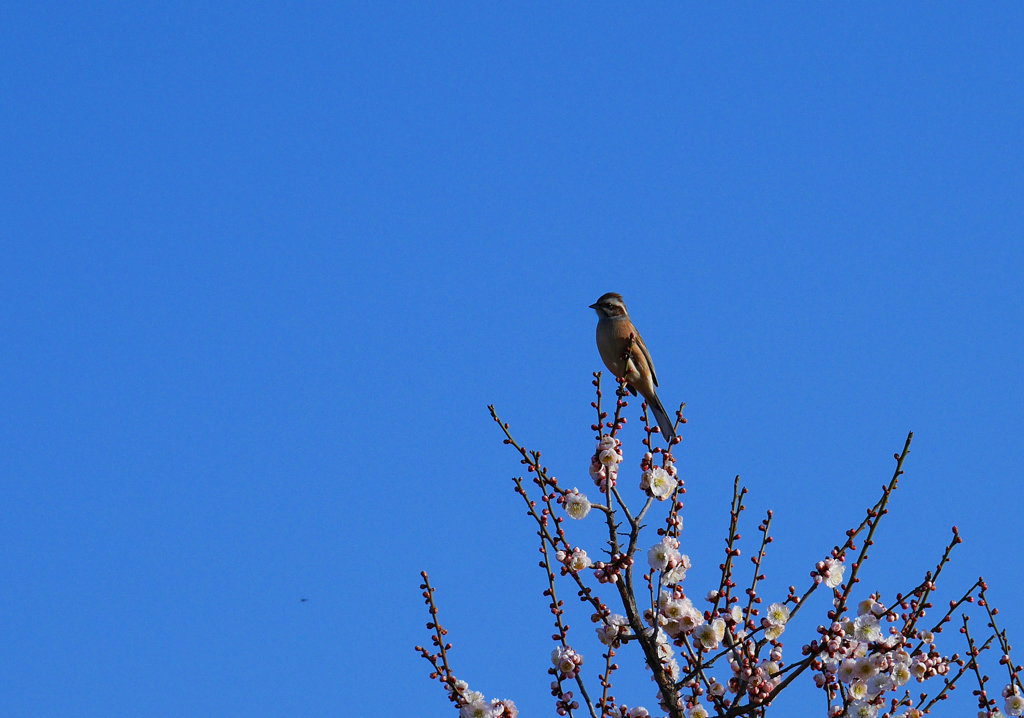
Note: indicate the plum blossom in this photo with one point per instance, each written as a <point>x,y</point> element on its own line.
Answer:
<point>575,504</point>
<point>710,634</point>
<point>460,689</point>
<point>675,608</point>
<point>861,709</point>
<point>687,620</point>
<point>638,712</point>
<point>870,605</point>
<point>777,614</point>
<point>698,711</point>
<point>504,708</point>
<point>607,452</point>
<point>472,696</point>
<point>878,684</point>
<point>575,561</point>
<point>847,670</point>
<point>658,483</point>
<point>612,630</point>
<point>864,668</point>
<point>900,674</point>
<point>831,570</point>
<point>866,628</point>
<point>477,709</point>
<point>566,660</point>
<point>663,555</point>
<point>675,573</point>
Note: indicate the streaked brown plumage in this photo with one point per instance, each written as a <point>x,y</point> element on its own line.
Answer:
<point>613,331</point>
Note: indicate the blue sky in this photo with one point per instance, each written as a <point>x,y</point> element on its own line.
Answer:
<point>264,266</point>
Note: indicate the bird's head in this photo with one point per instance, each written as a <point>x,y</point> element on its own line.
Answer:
<point>610,305</point>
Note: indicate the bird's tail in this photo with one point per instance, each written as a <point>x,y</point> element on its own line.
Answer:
<point>662,417</point>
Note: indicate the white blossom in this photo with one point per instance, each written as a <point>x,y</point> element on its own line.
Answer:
<point>698,711</point>
<point>658,483</point>
<point>576,561</point>
<point>476,709</point>
<point>660,555</point>
<point>835,573</point>
<point>675,608</point>
<point>498,707</point>
<point>859,689</point>
<point>718,625</point>
<point>612,629</point>
<point>861,709</point>
<point>866,628</point>
<point>879,684</point>
<point>900,674</point>
<point>708,633</point>
<point>678,572</point>
<point>869,605</point>
<point>566,660</point>
<point>777,614</point>
<point>865,668</point>
<point>576,504</point>
<point>1014,705</point>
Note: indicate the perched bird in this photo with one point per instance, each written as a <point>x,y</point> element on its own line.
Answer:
<point>613,332</point>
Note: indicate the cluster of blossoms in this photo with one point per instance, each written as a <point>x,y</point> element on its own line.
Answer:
<point>575,561</point>
<point>604,465</point>
<point>830,571</point>
<point>472,704</point>
<point>1014,705</point>
<point>612,630</point>
<point>664,556</point>
<point>567,664</point>
<point>658,482</point>
<point>858,661</point>
<point>678,615</point>
<point>665,654</point>
<point>756,677</point>
<point>611,571</point>
<point>566,661</point>
<point>774,621</point>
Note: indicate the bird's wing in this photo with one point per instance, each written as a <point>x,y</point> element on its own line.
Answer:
<point>647,356</point>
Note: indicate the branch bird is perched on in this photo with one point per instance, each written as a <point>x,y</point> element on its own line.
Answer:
<point>613,341</point>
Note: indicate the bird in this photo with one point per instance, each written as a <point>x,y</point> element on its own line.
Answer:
<point>613,340</point>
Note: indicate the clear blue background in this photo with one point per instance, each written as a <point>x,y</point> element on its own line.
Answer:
<point>264,265</point>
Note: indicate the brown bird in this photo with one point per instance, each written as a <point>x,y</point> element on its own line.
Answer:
<point>613,331</point>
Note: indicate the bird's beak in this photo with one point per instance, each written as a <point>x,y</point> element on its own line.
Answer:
<point>593,306</point>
